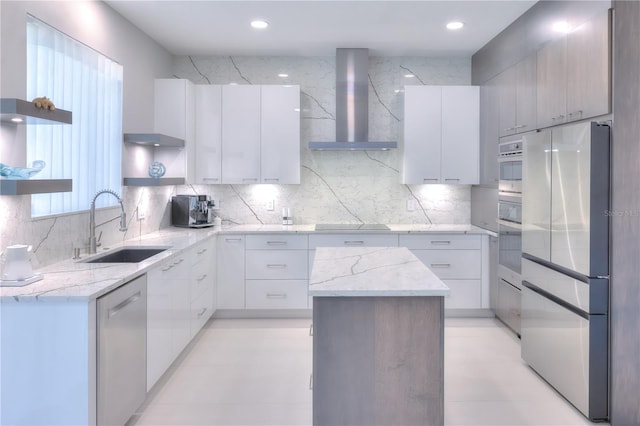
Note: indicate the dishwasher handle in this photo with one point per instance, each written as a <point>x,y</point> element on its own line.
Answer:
<point>120,306</point>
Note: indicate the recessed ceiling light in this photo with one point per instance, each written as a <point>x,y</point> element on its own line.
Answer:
<point>561,27</point>
<point>455,25</point>
<point>17,120</point>
<point>283,75</point>
<point>409,76</point>
<point>156,144</point>
<point>259,24</point>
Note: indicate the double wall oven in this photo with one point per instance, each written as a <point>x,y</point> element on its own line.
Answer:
<point>510,231</point>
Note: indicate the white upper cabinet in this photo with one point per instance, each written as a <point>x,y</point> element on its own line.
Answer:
<point>280,134</point>
<point>174,115</point>
<point>440,135</point>
<point>422,134</point>
<point>517,97</point>
<point>208,150</point>
<point>241,134</point>
<point>460,134</point>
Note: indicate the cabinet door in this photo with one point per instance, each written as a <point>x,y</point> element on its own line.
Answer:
<point>280,134</point>
<point>506,84</point>
<point>241,134</point>
<point>422,134</point>
<point>526,94</point>
<point>170,107</point>
<point>551,86</point>
<point>181,306</point>
<point>208,151</point>
<point>588,69</point>
<point>230,285</point>
<point>159,322</point>
<point>489,132</point>
<point>460,133</point>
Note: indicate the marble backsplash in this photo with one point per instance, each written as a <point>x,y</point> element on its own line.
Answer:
<point>336,187</point>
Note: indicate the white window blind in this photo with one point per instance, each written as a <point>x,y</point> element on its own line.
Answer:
<point>76,78</point>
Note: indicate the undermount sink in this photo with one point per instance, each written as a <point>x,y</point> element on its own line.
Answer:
<point>127,255</point>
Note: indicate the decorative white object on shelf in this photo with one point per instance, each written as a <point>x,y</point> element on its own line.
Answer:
<point>157,169</point>
<point>10,172</point>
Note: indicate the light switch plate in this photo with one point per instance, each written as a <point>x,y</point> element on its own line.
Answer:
<point>140,215</point>
<point>271,205</point>
<point>411,205</point>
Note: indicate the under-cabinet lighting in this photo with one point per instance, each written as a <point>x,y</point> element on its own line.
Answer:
<point>156,144</point>
<point>561,27</point>
<point>17,120</point>
<point>409,75</point>
<point>455,25</point>
<point>283,75</point>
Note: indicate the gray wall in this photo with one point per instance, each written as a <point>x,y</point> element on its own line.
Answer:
<point>625,225</point>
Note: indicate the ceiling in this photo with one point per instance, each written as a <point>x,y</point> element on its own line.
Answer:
<point>317,28</point>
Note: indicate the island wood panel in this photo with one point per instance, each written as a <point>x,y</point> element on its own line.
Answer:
<point>378,360</point>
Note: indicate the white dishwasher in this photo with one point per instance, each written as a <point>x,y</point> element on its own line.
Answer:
<point>122,352</point>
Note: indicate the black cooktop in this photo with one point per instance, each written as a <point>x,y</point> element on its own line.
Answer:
<point>351,227</point>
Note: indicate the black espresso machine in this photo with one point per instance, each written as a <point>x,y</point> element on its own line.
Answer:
<point>192,211</point>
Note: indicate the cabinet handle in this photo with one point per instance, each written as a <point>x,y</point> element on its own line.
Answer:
<point>201,278</point>
<point>249,180</point>
<point>310,381</point>
<point>276,243</point>
<point>520,126</point>
<point>179,261</point>
<point>276,265</point>
<point>167,268</point>
<point>272,179</point>
<point>440,242</point>
<point>211,179</point>
<point>201,313</point>
<point>233,240</point>
<point>440,265</point>
<point>311,329</point>
<point>429,179</point>
<point>557,117</point>
<point>451,179</point>
<point>354,243</point>
<point>578,112</point>
<point>202,251</point>
<point>508,129</point>
<point>276,295</point>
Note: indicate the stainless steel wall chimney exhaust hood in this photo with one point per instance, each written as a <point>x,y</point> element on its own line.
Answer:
<point>352,105</point>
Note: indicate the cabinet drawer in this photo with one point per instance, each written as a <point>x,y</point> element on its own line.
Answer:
<point>202,253</point>
<point>276,242</point>
<point>353,240</point>
<point>452,264</point>
<point>276,264</point>
<point>201,280</point>
<point>201,310</point>
<point>441,242</point>
<point>465,294</point>
<point>276,294</point>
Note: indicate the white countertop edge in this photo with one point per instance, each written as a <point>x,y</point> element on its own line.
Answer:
<point>379,293</point>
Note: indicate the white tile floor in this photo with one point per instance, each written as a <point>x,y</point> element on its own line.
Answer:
<point>256,372</point>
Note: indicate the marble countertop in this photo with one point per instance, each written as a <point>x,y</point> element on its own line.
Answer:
<point>372,271</point>
<point>397,228</point>
<point>74,279</point>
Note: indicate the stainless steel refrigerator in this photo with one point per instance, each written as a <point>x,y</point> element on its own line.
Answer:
<point>565,262</point>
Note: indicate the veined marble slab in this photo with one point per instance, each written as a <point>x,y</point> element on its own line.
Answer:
<point>74,279</point>
<point>393,228</point>
<point>372,271</point>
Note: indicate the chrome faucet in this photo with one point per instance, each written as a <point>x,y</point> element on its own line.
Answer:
<point>92,218</point>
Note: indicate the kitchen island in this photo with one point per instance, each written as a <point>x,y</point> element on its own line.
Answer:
<point>378,341</point>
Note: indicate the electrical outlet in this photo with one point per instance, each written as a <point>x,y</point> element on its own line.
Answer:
<point>140,214</point>
<point>411,205</point>
<point>271,205</point>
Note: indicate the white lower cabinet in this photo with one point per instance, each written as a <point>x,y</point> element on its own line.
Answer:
<point>168,315</point>
<point>230,288</point>
<point>180,300</point>
<point>458,261</point>
<point>276,272</point>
